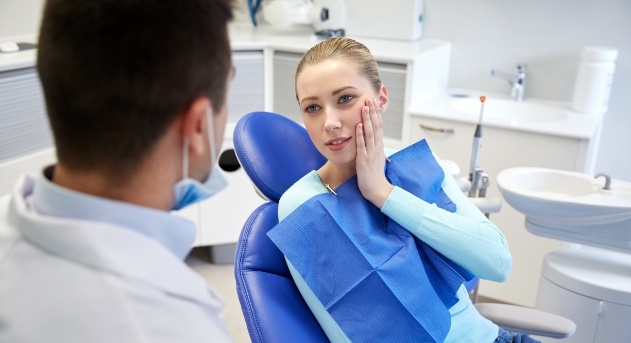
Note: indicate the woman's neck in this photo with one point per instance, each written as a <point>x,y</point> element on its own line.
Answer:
<point>335,174</point>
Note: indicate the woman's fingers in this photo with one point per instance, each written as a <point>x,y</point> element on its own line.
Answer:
<point>368,127</point>
<point>370,155</point>
<point>377,121</point>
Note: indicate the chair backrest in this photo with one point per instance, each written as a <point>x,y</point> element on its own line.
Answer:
<point>275,152</point>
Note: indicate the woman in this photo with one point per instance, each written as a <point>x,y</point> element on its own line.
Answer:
<point>342,101</point>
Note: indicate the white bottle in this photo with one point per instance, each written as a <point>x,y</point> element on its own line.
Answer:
<point>593,80</point>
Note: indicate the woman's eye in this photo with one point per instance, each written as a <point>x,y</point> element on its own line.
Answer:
<point>345,98</point>
<point>312,108</point>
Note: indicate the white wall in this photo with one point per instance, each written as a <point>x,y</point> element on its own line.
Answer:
<point>19,17</point>
<point>548,36</point>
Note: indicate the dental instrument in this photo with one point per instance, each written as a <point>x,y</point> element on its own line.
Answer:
<point>475,172</point>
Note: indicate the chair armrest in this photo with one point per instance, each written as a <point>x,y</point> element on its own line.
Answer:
<point>463,183</point>
<point>487,205</point>
<point>527,320</point>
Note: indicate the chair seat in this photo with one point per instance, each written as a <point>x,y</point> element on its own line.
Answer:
<point>271,303</point>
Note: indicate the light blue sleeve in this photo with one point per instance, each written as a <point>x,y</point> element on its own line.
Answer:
<point>466,237</point>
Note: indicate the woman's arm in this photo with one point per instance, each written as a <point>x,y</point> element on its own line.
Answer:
<point>466,237</point>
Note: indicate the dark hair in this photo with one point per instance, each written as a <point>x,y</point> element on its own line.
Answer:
<point>345,49</point>
<point>116,74</point>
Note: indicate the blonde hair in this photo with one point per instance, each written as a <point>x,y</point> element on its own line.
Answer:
<point>344,49</point>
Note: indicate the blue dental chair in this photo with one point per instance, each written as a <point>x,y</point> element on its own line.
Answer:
<point>275,152</point>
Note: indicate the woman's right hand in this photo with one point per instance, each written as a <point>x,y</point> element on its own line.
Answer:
<point>370,158</point>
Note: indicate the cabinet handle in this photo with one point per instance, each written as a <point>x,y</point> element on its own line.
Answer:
<point>435,129</point>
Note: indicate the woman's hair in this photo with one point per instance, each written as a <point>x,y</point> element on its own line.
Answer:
<point>343,49</point>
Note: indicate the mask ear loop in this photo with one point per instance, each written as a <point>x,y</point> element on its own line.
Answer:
<point>185,159</point>
<point>211,137</point>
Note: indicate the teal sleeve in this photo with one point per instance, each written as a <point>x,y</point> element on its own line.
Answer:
<point>466,237</point>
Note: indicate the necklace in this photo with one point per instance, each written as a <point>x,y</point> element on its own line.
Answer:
<point>326,185</point>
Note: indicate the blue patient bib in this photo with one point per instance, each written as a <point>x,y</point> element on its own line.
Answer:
<point>377,280</point>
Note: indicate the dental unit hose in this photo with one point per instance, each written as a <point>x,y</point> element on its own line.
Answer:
<point>474,175</point>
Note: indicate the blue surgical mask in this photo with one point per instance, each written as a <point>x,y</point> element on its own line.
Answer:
<point>189,191</point>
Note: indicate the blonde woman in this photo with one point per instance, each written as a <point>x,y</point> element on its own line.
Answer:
<point>342,101</point>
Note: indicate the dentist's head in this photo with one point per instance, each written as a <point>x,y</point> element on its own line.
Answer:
<point>136,96</point>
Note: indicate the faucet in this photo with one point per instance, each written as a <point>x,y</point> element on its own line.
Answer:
<point>607,185</point>
<point>517,81</point>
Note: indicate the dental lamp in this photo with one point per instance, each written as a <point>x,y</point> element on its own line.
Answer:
<point>328,17</point>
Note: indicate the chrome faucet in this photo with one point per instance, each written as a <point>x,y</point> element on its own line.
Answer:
<point>517,81</point>
<point>607,185</point>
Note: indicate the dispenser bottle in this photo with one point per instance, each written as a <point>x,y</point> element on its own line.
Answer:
<point>593,80</point>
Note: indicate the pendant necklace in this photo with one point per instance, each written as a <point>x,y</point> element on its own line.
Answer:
<point>326,185</point>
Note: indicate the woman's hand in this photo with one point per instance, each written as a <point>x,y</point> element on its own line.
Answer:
<point>371,158</point>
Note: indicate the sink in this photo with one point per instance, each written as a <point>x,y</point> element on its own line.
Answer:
<point>570,206</point>
<point>510,110</point>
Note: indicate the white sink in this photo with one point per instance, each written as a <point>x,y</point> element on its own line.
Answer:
<point>509,110</point>
<point>570,206</point>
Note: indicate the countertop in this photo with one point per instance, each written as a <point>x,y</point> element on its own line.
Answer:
<point>245,37</point>
<point>19,59</point>
<point>573,125</point>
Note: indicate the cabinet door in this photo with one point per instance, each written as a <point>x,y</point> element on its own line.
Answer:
<point>502,149</point>
<point>394,76</point>
<point>221,217</point>
<point>285,102</point>
<point>613,323</point>
<point>24,127</point>
<point>246,89</point>
<point>582,310</point>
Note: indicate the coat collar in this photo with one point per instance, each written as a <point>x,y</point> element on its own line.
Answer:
<point>107,248</point>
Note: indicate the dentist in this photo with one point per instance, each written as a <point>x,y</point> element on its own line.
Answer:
<point>136,98</point>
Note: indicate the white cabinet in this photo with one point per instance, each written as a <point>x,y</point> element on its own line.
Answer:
<point>246,93</point>
<point>592,288</point>
<point>284,94</point>
<point>25,138</point>
<point>23,125</point>
<point>504,148</point>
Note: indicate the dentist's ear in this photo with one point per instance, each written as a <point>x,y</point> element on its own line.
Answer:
<point>193,120</point>
<point>383,99</point>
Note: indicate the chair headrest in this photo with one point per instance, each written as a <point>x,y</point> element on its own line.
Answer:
<point>274,151</point>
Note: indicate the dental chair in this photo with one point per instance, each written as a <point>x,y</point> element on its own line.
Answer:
<point>275,152</point>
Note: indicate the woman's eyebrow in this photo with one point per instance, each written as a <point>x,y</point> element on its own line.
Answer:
<point>309,98</point>
<point>339,90</point>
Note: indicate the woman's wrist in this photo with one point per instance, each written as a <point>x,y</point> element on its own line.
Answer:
<point>379,196</point>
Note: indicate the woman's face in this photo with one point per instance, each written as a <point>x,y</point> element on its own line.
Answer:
<point>331,95</point>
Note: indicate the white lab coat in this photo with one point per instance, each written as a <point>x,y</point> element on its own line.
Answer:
<point>66,280</point>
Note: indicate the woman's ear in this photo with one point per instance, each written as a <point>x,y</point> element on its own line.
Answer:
<point>193,120</point>
<point>383,99</point>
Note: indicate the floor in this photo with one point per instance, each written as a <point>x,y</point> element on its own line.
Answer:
<point>221,278</point>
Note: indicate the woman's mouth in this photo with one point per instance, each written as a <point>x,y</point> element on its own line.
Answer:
<point>337,144</point>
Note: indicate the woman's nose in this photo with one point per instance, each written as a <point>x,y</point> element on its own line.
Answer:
<point>332,121</point>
